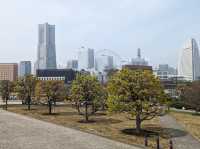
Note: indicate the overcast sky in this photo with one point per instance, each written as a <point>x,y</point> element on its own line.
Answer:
<point>158,27</point>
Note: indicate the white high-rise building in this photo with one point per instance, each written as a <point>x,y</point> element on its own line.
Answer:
<point>104,62</point>
<point>72,64</point>
<point>86,59</point>
<point>46,54</point>
<point>189,62</point>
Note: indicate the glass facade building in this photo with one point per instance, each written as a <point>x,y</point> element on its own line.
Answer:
<point>24,68</point>
<point>46,55</point>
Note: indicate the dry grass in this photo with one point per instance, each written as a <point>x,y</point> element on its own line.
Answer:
<point>191,122</point>
<point>105,125</point>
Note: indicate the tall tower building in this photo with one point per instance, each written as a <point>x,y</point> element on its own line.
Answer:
<point>72,64</point>
<point>189,62</point>
<point>104,62</point>
<point>46,54</point>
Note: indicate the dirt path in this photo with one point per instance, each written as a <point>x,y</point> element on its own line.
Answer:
<point>20,132</point>
<point>181,139</point>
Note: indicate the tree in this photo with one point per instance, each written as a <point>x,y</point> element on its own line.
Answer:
<point>86,90</point>
<point>6,88</point>
<point>20,89</point>
<point>190,94</point>
<point>53,90</point>
<point>137,93</point>
<point>26,87</point>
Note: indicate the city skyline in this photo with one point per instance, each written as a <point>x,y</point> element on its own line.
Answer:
<point>155,27</point>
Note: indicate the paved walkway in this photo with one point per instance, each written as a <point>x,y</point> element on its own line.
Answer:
<point>20,132</point>
<point>181,139</point>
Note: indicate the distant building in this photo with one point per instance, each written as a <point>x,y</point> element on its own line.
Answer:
<point>86,59</point>
<point>164,72</point>
<point>8,71</point>
<point>72,64</point>
<point>168,79</point>
<point>104,62</point>
<point>46,55</point>
<point>24,68</point>
<point>170,86</point>
<point>138,67</point>
<point>67,75</point>
<point>138,63</point>
<point>189,62</point>
<point>139,60</point>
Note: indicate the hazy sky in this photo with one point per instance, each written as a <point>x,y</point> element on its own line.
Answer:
<point>158,27</point>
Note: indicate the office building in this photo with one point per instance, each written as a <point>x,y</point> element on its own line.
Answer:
<point>104,62</point>
<point>46,54</point>
<point>85,59</point>
<point>66,75</point>
<point>164,72</point>
<point>72,64</point>
<point>8,71</point>
<point>189,61</point>
<point>24,68</point>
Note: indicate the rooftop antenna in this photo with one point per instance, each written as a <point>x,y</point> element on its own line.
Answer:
<point>139,53</point>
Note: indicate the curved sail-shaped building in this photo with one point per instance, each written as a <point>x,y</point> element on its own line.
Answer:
<point>189,62</point>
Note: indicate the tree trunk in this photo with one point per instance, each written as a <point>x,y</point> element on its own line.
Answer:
<point>54,102</point>
<point>50,106</point>
<point>138,123</point>
<point>6,103</point>
<point>78,108</point>
<point>86,112</point>
<point>93,109</point>
<point>29,103</point>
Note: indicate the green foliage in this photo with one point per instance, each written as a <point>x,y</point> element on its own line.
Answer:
<point>86,88</point>
<point>52,89</point>
<point>6,87</point>
<point>20,88</point>
<point>190,95</point>
<point>25,86</point>
<point>138,93</point>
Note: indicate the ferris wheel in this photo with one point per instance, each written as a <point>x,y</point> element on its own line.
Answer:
<point>117,60</point>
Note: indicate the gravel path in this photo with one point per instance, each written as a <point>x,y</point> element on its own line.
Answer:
<point>20,132</point>
<point>181,139</point>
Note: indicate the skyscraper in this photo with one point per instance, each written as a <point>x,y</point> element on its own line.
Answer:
<point>104,62</point>
<point>72,64</point>
<point>86,59</point>
<point>46,54</point>
<point>24,68</point>
<point>189,62</point>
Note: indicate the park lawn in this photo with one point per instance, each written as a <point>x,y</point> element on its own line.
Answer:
<point>106,125</point>
<point>191,122</point>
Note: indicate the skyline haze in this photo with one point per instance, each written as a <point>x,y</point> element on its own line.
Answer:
<point>160,28</point>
